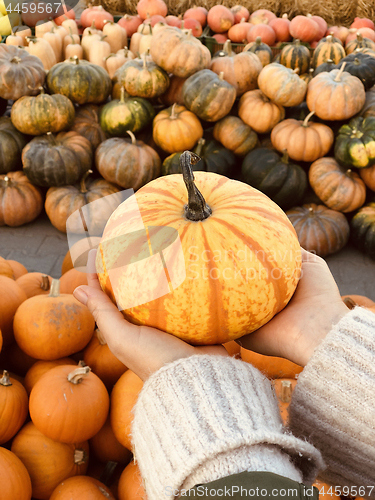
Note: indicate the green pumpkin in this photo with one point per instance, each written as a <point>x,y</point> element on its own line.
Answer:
<point>363,229</point>
<point>284,182</point>
<point>11,144</point>
<point>82,82</point>
<point>121,115</point>
<point>214,158</point>
<point>294,55</point>
<point>142,78</point>
<point>355,143</point>
<point>360,65</point>
<point>262,50</point>
<point>59,160</point>
<point>43,113</point>
<point>327,66</point>
<point>208,95</point>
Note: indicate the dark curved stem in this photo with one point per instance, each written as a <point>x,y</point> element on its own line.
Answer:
<point>196,208</point>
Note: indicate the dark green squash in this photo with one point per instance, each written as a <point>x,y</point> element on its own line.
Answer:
<point>11,144</point>
<point>369,106</point>
<point>327,66</point>
<point>295,55</point>
<point>284,182</point>
<point>208,95</point>
<point>59,160</point>
<point>355,143</point>
<point>81,81</point>
<point>214,158</point>
<point>363,229</point>
<point>3,106</point>
<point>362,66</point>
<point>359,43</point>
<point>43,113</point>
<point>121,115</point>
<point>262,50</point>
<point>86,123</point>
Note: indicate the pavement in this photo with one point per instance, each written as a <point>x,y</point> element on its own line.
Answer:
<point>41,247</point>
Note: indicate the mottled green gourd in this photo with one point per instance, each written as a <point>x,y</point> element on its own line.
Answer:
<point>355,143</point>
<point>12,143</point>
<point>43,113</point>
<point>121,115</point>
<point>81,81</point>
<point>363,229</point>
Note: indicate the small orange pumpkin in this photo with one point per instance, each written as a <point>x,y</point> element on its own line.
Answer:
<point>368,176</point>
<point>35,284</point>
<point>62,395</point>
<point>130,486</point>
<point>13,407</point>
<point>14,478</point>
<point>106,448</point>
<point>48,462</point>
<point>272,366</point>
<point>81,487</point>
<point>38,369</point>
<point>11,297</point>
<point>18,268</point>
<point>123,398</point>
<point>6,269</point>
<point>282,85</point>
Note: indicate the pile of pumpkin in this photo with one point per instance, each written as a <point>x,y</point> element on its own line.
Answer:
<point>241,112</point>
<point>66,401</point>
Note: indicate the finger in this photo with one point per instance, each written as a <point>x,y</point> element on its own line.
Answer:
<point>92,277</point>
<point>309,257</point>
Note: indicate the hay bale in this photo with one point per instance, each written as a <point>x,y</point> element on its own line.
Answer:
<point>366,8</point>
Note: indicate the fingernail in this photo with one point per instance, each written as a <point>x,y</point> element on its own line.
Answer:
<point>80,295</point>
<point>91,268</point>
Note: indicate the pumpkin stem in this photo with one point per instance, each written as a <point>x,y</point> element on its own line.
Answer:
<point>199,147</point>
<point>72,37</point>
<point>143,56</point>
<point>6,180</point>
<point>228,47</point>
<point>285,16</point>
<point>41,90</point>
<point>77,375</point>
<point>296,71</point>
<point>83,187</point>
<point>286,391</point>
<point>349,302</point>
<point>305,121</point>
<point>329,39</point>
<point>45,283</point>
<point>221,75</point>
<point>15,60</point>
<point>55,288</point>
<point>173,112</point>
<point>285,158</point>
<point>196,208</point>
<point>75,59</point>
<point>81,363</point>
<point>51,137</point>
<point>5,380</point>
<point>132,136</point>
<point>100,337</point>
<point>80,457</point>
<point>122,94</point>
<point>337,79</point>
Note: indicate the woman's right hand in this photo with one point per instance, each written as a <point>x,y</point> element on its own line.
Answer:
<point>299,328</point>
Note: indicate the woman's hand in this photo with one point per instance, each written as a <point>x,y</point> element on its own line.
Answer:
<point>141,348</point>
<point>298,329</point>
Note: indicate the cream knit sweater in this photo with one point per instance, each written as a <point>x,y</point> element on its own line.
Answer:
<point>206,417</point>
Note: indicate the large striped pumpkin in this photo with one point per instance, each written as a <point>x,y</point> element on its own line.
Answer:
<point>294,55</point>
<point>328,50</point>
<point>238,250</point>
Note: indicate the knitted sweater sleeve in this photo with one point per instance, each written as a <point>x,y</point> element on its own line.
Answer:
<point>206,417</point>
<point>333,405</point>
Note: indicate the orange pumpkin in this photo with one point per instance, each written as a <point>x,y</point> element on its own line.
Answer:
<point>336,95</point>
<point>79,251</point>
<point>272,366</point>
<point>106,448</point>
<point>80,487</point>
<point>102,362</point>
<point>14,478</point>
<point>18,268</point>
<point>282,85</point>
<point>48,462</point>
<point>11,297</point>
<point>71,280</point>
<point>35,284</point>
<point>52,326</point>
<point>59,398</point>
<point>340,188</point>
<point>284,389</point>
<point>13,407</point>
<point>38,369</point>
<point>1,341</point>
<point>239,212</point>
<point>233,348</point>
<point>368,176</point>
<point>130,486</point>
<point>303,140</point>
<point>6,269</point>
<point>123,398</point>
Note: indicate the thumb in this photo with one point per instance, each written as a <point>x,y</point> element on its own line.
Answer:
<point>106,315</point>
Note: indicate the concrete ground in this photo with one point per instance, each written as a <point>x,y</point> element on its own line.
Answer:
<point>41,247</point>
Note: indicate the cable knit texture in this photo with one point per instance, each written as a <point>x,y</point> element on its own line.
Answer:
<point>202,418</point>
<point>333,405</point>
